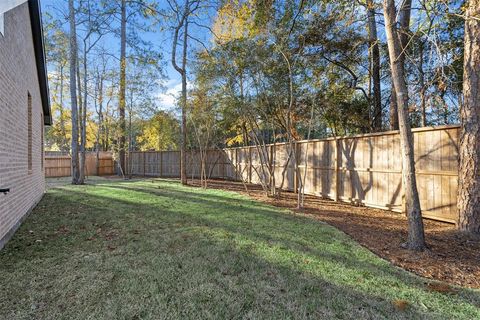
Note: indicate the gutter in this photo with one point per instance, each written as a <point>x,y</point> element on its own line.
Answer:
<point>37,32</point>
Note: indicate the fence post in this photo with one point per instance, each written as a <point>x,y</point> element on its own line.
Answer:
<point>125,161</point>
<point>144,156</point>
<point>161,163</point>
<point>295,168</point>
<point>250,165</point>
<point>132,156</point>
<point>336,166</point>
<point>274,164</point>
<point>236,164</point>
<point>223,163</point>
<point>271,164</point>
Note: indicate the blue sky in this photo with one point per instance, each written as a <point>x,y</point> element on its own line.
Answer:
<point>161,40</point>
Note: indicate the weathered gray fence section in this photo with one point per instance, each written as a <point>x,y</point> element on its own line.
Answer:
<point>365,169</point>
<point>167,164</point>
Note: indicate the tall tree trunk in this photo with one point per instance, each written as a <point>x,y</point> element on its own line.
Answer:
<point>83,120</point>
<point>374,53</point>
<point>106,128</point>
<point>80,123</point>
<point>183,149</point>
<point>469,149</point>
<point>64,146</point>
<point>122,102</point>
<point>416,237</point>
<point>423,89</point>
<point>99,98</point>
<point>73,91</point>
<point>393,109</point>
<point>404,22</point>
<point>130,136</point>
<point>183,22</point>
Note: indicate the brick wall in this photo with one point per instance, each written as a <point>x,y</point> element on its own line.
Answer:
<point>18,80</point>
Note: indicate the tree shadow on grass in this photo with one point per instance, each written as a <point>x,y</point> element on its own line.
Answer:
<point>259,279</point>
<point>246,209</point>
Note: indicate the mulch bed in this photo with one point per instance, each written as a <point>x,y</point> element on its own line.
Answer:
<point>452,257</point>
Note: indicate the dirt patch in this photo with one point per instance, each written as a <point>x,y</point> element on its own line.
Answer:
<point>453,257</point>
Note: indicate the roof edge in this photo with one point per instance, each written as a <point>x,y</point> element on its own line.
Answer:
<point>38,43</point>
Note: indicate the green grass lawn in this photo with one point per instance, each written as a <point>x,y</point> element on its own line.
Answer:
<point>157,250</point>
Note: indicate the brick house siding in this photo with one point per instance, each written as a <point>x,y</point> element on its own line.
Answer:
<point>19,88</point>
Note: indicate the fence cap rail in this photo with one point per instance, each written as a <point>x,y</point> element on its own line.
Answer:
<point>365,135</point>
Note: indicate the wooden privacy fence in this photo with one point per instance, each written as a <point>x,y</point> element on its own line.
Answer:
<point>167,164</point>
<point>60,165</point>
<point>364,169</point>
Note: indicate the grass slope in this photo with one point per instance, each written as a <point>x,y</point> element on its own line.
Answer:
<point>157,250</point>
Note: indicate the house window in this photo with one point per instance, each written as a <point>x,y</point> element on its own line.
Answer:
<point>29,150</point>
